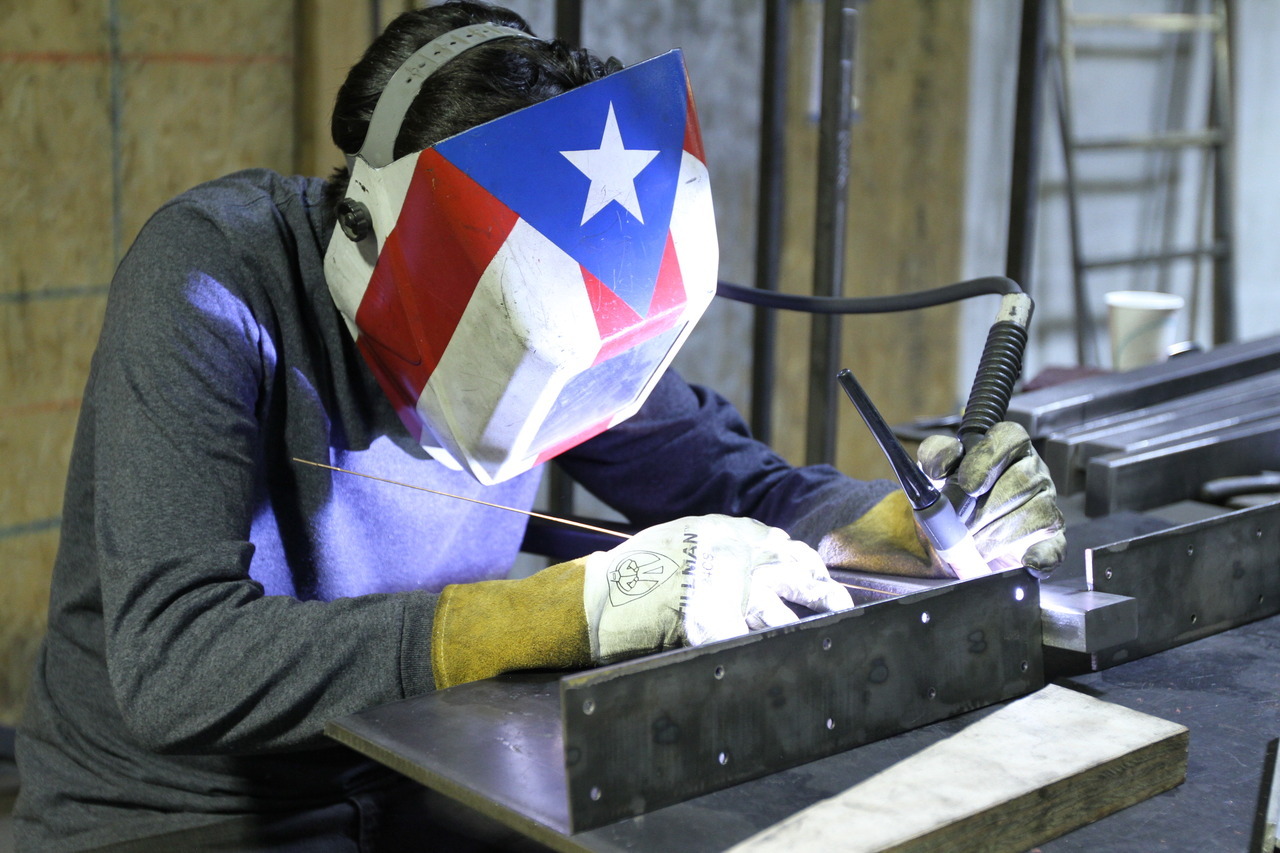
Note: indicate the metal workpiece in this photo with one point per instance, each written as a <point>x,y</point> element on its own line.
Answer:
<point>660,730</point>
<point>1067,452</point>
<point>494,745</point>
<point>1144,479</point>
<point>1071,617</point>
<point>554,757</point>
<point>1082,620</point>
<point>1059,407</point>
<point>1191,581</point>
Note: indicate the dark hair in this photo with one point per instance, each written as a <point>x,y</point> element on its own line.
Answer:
<point>479,85</point>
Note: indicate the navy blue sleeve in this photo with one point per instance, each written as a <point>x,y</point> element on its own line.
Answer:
<point>689,452</point>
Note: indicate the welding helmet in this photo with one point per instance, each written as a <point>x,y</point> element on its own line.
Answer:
<point>520,287</point>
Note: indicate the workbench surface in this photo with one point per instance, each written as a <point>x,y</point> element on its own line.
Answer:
<point>1225,688</point>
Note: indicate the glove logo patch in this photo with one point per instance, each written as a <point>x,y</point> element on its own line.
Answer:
<point>638,573</point>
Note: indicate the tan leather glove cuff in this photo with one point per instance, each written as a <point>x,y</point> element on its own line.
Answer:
<point>486,628</point>
<point>884,540</point>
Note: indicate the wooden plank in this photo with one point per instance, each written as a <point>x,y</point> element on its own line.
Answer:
<point>56,158</point>
<point>331,36</point>
<point>27,556</point>
<point>1271,796</point>
<point>1029,772</point>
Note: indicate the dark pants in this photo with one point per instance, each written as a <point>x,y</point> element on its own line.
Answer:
<point>407,817</point>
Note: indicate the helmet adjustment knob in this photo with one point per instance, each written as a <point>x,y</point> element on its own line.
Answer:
<point>354,220</point>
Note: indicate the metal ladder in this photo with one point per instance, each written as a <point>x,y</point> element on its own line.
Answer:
<point>1178,31</point>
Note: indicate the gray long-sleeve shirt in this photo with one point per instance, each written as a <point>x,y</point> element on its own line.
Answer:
<point>215,602</point>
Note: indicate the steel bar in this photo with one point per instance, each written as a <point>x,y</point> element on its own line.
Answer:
<point>656,731</point>
<point>1173,472</point>
<point>1221,112</point>
<point>839,35</point>
<point>769,211</point>
<point>1191,581</point>
<point>1214,251</point>
<point>1170,23</point>
<point>568,21</point>
<point>1086,621</point>
<point>561,493</point>
<point>1072,617</point>
<point>1085,326</point>
<point>1060,407</point>
<point>1067,452</point>
<point>1025,178</point>
<point>1187,139</point>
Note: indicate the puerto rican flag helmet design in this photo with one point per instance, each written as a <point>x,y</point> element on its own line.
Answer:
<point>524,284</point>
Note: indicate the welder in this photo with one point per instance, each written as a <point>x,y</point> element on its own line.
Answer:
<point>520,241</point>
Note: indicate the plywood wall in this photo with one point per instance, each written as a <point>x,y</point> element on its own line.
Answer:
<point>107,109</point>
<point>906,190</point>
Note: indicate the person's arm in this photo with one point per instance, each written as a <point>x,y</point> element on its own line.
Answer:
<point>200,659</point>
<point>689,452</point>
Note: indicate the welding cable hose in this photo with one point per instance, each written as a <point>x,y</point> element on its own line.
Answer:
<point>986,286</point>
<point>691,581</point>
<point>999,484</point>
<point>999,366</point>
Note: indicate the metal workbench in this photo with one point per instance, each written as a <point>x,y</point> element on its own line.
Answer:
<point>1225,688</point>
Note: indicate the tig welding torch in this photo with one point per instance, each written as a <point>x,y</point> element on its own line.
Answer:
<point>948,535</point>
<point>998,369</point>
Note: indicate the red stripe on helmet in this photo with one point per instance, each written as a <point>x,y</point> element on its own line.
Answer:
<point>448,231</point>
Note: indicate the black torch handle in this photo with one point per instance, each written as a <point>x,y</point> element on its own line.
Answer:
<point>998,370</point>
<point>919,490</point>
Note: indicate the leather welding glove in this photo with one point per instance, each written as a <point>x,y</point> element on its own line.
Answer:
<point>885,540</point>
<point>698,580</point>
<point>691,581</point>
<point>1013,512</point>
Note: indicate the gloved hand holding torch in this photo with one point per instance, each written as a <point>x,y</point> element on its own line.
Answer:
<point>1011,511</point>
<point>1013,514</point>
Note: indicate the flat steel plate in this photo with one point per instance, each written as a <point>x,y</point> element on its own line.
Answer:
<point>1059,407</point>
<point>555,757</point>
<point>656,731</point>
<point>1191,581</point>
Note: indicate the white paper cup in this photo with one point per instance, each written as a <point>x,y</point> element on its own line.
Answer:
<point>1143,324</point>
